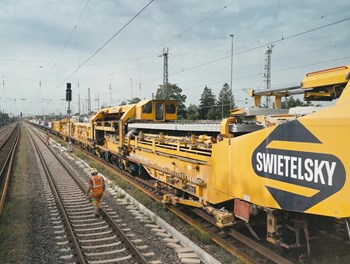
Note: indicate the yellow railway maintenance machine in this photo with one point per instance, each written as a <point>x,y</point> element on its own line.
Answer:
<point>286,168</point>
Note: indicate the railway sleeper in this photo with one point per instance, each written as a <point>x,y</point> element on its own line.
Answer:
<point>285,230</point>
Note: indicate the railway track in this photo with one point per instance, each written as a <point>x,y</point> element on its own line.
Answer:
<point>80,235</point>
<point>9,137</point>
<point>239,244</point>
<point>232,241</point>
<point>243,247</point>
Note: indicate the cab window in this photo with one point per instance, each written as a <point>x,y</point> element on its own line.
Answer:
<point>159,111</point>
<point>147,108</point>
<point>170,109</point>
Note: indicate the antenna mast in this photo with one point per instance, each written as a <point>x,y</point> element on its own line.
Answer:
<point>267,74</point>
<point>89,102</point>
<point>165,72</point>
<point>110,94</point>
<point>79,100</point>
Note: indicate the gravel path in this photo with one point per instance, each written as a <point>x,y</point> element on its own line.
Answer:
<point>26,233</point>
<point>217,252</point>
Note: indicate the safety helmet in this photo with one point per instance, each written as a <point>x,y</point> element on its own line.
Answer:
<point>93,171</point>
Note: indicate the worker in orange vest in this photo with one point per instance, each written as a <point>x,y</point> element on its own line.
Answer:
<point>97,187</point>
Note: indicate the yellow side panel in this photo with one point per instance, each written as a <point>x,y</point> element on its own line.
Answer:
<point>300,166</point>
<point>233,171</point>
<point>218,180</point>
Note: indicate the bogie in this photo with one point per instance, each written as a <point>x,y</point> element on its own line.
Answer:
<point>260,167</point>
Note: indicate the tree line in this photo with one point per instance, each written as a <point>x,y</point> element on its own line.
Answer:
<point>4,119</point>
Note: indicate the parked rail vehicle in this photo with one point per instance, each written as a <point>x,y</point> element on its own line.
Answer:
<point>284,168</point>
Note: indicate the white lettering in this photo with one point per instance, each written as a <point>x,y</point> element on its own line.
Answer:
<point>293,167</point>
<point>267,162</point>
<point>274,164</point>
<point>280,165</point>
<point>287,159</point>
<point>318,171</point>
<point>310,176</point>
<point>299,168</point>
<point>258,160</point>
<point>330,172</point>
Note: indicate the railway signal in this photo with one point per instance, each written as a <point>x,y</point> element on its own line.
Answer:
<point>69,99</point>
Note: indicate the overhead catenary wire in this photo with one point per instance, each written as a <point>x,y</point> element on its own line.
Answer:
<point>278,70</point>
<point>204,19</point>
<point>256,47</point>
<point>280,17</point>
<point>124,70</point>
<point>105,44</point>
<point>246,50</point>
<point>72,31</point>
<point>175,36</point>
<point>187,29</point>
<point>91,62</point>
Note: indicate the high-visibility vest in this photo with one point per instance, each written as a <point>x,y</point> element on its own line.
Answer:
<point>97,184</point>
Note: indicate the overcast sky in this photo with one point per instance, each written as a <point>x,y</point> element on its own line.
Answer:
<point>46,43</point>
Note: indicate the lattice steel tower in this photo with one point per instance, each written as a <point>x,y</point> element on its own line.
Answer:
<point>89,102</point>
<point>267,74</point>
<point>79,110</point>
<point>165,72</point>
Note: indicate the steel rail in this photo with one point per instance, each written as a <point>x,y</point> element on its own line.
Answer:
<point>127,242</point>
<point>272,256</point>
<point>214,237</point>
<point>245,240</point>
<point>9,165</point>
<point>133,249</point>
<point>74,242</point>
<point>8,136</point>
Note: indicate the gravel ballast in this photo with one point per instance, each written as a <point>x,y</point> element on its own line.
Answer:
<point>26,234</point>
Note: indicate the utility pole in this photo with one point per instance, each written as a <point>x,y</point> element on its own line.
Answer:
<point>79,104</point>
<point>267,74</point>
<point>98,100</point>
<point>89,102</point>
<point>78,99</point>
<point>130,89</point>
<point>231,35</point>
<point>165,73</point>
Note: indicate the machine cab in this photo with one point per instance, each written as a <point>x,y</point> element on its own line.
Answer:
<point>156,110</point>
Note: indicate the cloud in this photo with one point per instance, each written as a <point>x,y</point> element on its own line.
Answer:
<point>34,33</point>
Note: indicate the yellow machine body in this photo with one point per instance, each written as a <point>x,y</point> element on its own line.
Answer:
<point>295,163</point>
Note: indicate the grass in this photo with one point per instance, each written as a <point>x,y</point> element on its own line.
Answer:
<point>239,261</point>
<point>80,155</point>
<point>93,164</point>
<point>120,196</point>
<point>158,208</point>
<point>200,235</point>
<point>103,170</point>
<point>143,199</point>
